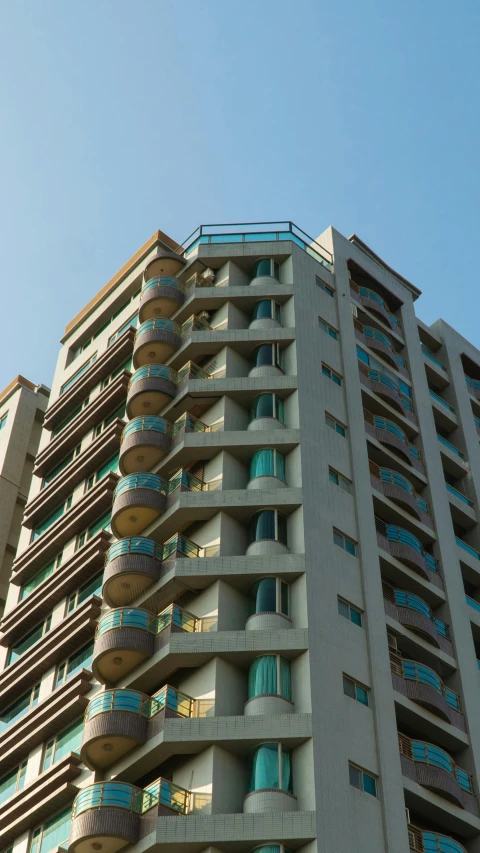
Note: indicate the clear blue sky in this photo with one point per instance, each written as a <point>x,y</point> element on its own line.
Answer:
<point>118,118</point>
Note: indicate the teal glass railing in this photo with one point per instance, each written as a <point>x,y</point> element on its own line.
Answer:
<point>427,753</point>
<point>472,603</point>
<point>386,475</point>
<point>370,294</point>
<point>430,356</point>
<point>467,548</point>
<point>189,423</point>
<point>134,702</point>
<point>148,422</point>
<point>472,383</point>
<point>413,671</point>
<point>144,620</point>
<point>432,842</point>
<point>121,795</point>
<point>398,534</point>
<point>414,602</point>
<point>458,494</point>
<point>160,281</point>
<point>253,232</point>
<point>153,371</point>
<point>185,480</point>
<point>450,446</point>
<point>389,426</point>
<point>158,323</point>
<point>182,545</point>
<point>135,545</point>
<point>441,401</point>
<point>377,376</point>
<point>379,336</point>
<point>141,481</point>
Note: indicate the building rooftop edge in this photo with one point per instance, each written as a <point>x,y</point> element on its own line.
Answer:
<point>18,382</point>
<point>158,236</point>
<point>357,241</point>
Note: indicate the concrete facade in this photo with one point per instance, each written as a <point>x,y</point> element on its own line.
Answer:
<point>245,607</point>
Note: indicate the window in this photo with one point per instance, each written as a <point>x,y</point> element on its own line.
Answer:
<point>127,365</point>
<point>92,587</point>
<point>52,833</point>
<point>328,290</point>
<point>12,782</point>
<point>110,465</point>
<point>335,425</point>
<point>335,377</point>
<point>104,326</point>
<point>118,413</point>
<point>73,664</point>
<point>69,740</point>
<point>3,420</point>
<point>362,780</point>
<point>19,708</point>
<point>363,356</point>
<point>71,417</point>
<point>340,480</point>
<point>102,523</point>
<point>344,542</point>
<point>76,376</point>
<point>328,329</point>
<point>29,640</point>
<point>132,321</point>
<point>355,690</point>
<point>348,611</point>
<point>268,406</point>
<point>61,466</point>
<point>51,519</point>
<point>41,576</point>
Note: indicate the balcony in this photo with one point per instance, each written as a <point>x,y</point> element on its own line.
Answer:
<point>435,769</point>
<point>467,549</point>
<point>134,564</point>
<point>155,341</point>
<point>473,386</point>
<point>117,721</point>
<point>404,546</point>
<point>386,388</point>
<point>389,433</point>
<point>401,491</point>
<point>127,636</point>
<point>424,687</point>
<point>109,814</point>
<point>429,354</point>
<point>444,413</point>
<point>424,841</point>
<point>373,302</point>
<point>137,501</point>
<point>160,297</point>
<point>413,612</point>
<point>150,389</point>
<point>380,343</point>
<point>145,441</point>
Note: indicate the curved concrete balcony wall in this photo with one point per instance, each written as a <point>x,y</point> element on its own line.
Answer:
<point>155,341</point>
<point>111,735</point>
<point>164,263</point>
<point>266,547</point>
<point>269,800</point>
<point>265,370</point>
<point>138,500</point>
<point>268,706</point>
<point>150,389</point>
<point>266,482</point>
<point>119,651</point>
<point>132,565</point>
<point>145,441</point>
<point>268,622</point>
<point>160,297</point>
<point>264,323</point>
<point>265,424</point>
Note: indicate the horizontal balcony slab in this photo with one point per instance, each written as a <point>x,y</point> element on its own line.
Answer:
<point>82,565</point>
<point>88,509</point>
<point>449,818</point>
<point>89,461</point>
<point>441,782</point>
<point>211,298</point>
<point>429,726</point>
<point>190,446</point>
<point>104,365</point>
<point>242,341</point>
<point>108,401</point>
<point>241,388</point>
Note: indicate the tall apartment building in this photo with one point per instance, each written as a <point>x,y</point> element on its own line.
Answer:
<point>245,613</point>
<point>22,407</point>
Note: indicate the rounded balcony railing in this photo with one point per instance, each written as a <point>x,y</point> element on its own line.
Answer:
<point>160,297</point>
<point>155,341</point>
<point>145,441</point>
<point>424,841</point>
<point>374,302</point>
<point>387,388</point>
<point>267,413</point>
<point>407,548</point>
<point>435,769</point>
<point>399,489</point>
<point>138,500</point>
<point>416,614</point>
<point>126,636</point>
<point>388,432</point>
<point>425,687</point>
<point>131,566</point>
<point>151,387</point>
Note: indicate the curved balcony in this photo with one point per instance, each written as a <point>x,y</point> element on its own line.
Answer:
<point>435,769</point>
<point>266,361</point>
<point>119,720</point>
<point>164,262</point>
<point>271,787</point>
<point>138,500</point>
<point>400,490</point>
<point>424,841</point>
<point>160,297</point>
<point>127,636</point>
<point>267,413</point>
<point>386,388</point>
<point>150,389</point>
<point>155,341</point>
<point>413,612</point>
<point>266,315</point>
<point>422,685</point>
<point>373,302</point>
<point>381,343</point>
<point>145,441</point>
<point>408,549</point>
<point>267,533</point>
<point>267,470</point>
<point>106,815</point>
<point>270,605</point>
<point>389,433</point>
<point>265,271</point>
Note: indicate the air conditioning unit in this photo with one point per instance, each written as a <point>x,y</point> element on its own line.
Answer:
<point>208,275</point>
<point>392,642</point>
<point>354,310</point>
<point>407,815</point>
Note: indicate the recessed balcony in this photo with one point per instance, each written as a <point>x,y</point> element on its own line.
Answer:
<point>127,636</point>
<point>134,564</point>
<point>155,341</point>
<point>422,685</point>
<point>269,687</point>
<point>161,297</point>
<point>473,386</point>
<point>381,343</point>
<point>376,304</point>
<point>387,389</point>
<point>404,546</point>
<point>267,533</point>
<point>389,433</point>
<point>270,605</point>
<point>107,816</point>
<point>150,389</point>
<point>138,500</point>
<point>271,786</point>
<point>119,720</point>
<point>266,315</point>
<point>413,612</point>
<point>267,413</point>
<point>401,491</point>
<point>435,769</point>
<point>145,441</point>
<point>424,841</point>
